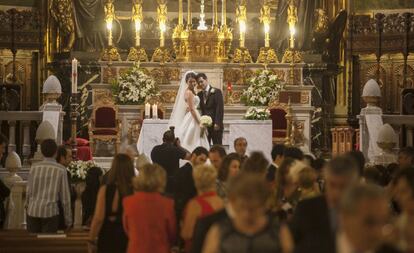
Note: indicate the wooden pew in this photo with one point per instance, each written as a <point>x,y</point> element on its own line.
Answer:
<point>20,241</point>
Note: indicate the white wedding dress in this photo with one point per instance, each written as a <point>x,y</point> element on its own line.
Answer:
<point>189,131</point>
<point>186,127</point>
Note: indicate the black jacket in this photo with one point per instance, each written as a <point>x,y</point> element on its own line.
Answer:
<point>311,227</point>
<point>213,106</point>
<point>184,188</point>
<point>202,227</point>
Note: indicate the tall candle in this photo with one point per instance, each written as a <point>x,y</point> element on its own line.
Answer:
<point>155,111</point>
<point>74,75</point>
<point>147,110</point>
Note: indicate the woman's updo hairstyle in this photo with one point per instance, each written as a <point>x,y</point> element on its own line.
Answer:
<point>190,75</point>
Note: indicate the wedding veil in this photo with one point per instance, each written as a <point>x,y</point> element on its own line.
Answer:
<point>180,106</point>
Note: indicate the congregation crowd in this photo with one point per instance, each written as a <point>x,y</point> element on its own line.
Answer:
<point>207,201</point>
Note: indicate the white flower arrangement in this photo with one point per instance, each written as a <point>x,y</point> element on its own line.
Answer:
<point>263,87</point>
<point>134,86</point>
<point>254,113</point>
<point>206,121</point>
<point>78,169</point>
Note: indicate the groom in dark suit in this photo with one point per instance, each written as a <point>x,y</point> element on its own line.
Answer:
<point>211,104</point>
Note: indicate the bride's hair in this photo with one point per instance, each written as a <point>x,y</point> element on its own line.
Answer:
<point>190,75</point>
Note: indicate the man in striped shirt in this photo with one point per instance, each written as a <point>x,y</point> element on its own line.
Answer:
<point>47,184</point>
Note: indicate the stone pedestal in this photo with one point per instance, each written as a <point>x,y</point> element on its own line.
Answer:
<point>370,120</point>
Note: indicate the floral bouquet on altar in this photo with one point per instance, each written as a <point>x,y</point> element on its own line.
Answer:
<point>263,87</point>
<point>78,169</point>
<point>134,86</point>
<point>205,122</point>
<point>254,113</point>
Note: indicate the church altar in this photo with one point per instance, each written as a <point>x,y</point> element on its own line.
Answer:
<point>257,133</point>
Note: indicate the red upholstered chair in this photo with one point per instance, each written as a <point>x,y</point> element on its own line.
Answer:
<point>279,123</point>
<point>105,126</point>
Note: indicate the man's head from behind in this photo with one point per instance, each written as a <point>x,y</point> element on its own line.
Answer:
<point>277,153</point>
<point>240,146</point>
<point>406,157</point>
<point>3,144</point>
<point>199,156</point>
<point>340,173</point>
<point>364,212</point>
<point>64,155</point>
<point>48,148</point>
<point>216,155</point>
<point>293,152</point>
<point>168,137</point>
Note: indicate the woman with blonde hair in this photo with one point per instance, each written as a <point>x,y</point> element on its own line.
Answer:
<point>149,218</point>
<point>207,201</point>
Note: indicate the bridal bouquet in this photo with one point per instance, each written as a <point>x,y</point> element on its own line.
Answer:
<point>263,87</point>
<point>205,121</point>
<point>134,86</point>
<point>254,113</point>
<point>78,169</point>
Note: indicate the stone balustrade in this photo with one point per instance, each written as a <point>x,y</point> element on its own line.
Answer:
<point>25,118</point>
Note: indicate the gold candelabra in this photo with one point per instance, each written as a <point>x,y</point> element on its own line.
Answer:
<point>137,53</point>
<point>291,55</point>
<point>267,54</point>
<point>110,53</point>
<point>162,54</point>
<point>242,54</point>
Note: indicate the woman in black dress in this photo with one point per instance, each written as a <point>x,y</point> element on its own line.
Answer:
<point>107,232</point>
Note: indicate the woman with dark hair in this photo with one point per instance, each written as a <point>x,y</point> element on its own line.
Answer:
<point>107,220</point>
<point>230,167</point>
<point>90,194</point>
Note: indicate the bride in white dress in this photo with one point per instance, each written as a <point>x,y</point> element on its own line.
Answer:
<point>185,116</point>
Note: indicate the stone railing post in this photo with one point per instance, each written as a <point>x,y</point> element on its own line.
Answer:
<point>12,136</point>
<point>26,142</point>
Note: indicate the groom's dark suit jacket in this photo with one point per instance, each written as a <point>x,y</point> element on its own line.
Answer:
<point>213,106</point>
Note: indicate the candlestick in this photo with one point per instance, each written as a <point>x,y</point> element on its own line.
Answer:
<point>223,13</point>
<point>74,76</point>
<point>147,110</point>
<point>189,18</point>
<point>155,111</point>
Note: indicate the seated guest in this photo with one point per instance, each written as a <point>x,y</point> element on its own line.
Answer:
<point>406,157</point>
<point>250,229</point>
<point>315,220</point>
<point>318,166</point>
<point>138,159</point>
<point>229,168</point>
<point>240,147</point>
<point>364,213</point>
<point>168,156</point>
<point>277,159</point>
<point>359,158</point>
<point>286,193</point>
<point>185,187</point>
<point>4,191</point>
<point>149,218</point>
<point>207,201</point>
<point>47,185</point>
<point>404,195</point>
<point>216,155</point>
<point>107,220</point>
<point>293,152</point>
<point>89,196</point>
<point>256,163</point>
<point>372,175</point>
<point>309,159</point>
<point>307,183</point>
